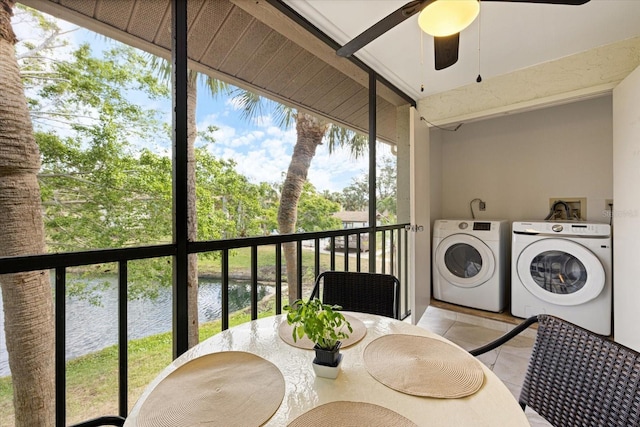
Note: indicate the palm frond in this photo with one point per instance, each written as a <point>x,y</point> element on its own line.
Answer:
<point>338,136</point>
<point>162,69</point>
<point>216,87</point>
<point>250,103</point>
<point>254,106</point>
<point>284,116</point>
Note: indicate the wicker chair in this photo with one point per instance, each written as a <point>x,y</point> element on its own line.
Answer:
<point>362,292</point>
<point>578,378</point>
<point>102,421</point>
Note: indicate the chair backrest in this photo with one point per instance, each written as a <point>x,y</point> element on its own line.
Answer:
<point>578,378</point>
<point>362,292</point>
<point>110,420</point>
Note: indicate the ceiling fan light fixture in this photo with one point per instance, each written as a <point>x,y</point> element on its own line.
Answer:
<point>446,17</point>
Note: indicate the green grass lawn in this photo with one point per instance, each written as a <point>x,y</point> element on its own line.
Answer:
<point>240,261</point>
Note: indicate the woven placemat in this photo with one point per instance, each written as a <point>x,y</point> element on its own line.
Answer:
<point>231,388</point>
<point>285,332</point>
<point>351,414</point>
<point>423,366</point>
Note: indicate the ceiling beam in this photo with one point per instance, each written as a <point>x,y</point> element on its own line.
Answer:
<point>576,77</point>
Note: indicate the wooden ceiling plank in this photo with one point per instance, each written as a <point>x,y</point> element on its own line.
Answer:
<point>117,14</point>
<point>245,48</point>
<point>279,63</point>
<point>357,101</point>
<point>235,25</point>
<point>307,74</point>
<point>263,55</point>
<point>87,8</point>
<point>289,73</point>
<point>340,94</point>
<point>207,26</point>
<point>277,20</point>
<point>319,86</point>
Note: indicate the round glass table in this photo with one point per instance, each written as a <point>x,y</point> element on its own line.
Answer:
<point>491,405</point>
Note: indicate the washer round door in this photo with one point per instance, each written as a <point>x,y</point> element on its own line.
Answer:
<point>464,260</point>
<point>561,272</point>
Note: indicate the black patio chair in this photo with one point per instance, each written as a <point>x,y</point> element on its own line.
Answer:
<point>576,377</point>
<point>102,421</point>
<point>362,292</point>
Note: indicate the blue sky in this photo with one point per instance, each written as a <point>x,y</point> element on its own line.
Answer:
<point>261,149</point>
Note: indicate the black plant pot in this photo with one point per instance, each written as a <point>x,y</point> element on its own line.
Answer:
<point>328,357</point>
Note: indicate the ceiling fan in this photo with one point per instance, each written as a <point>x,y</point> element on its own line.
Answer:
<point>443,19</point>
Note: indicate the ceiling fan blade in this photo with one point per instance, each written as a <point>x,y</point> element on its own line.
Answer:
<point>566,2</point>
<point>385,24</point>
<point>413,7</point>
<point>445,50</point>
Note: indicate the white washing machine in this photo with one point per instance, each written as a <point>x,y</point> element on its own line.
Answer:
<point>470,262</point>
<point>563,269</point>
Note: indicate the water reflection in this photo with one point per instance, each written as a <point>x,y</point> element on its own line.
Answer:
<point>91,328</point>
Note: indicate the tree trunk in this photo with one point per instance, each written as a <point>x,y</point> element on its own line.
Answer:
<point>192,217</point>
<point>27,297</point>
<point>310,132</point>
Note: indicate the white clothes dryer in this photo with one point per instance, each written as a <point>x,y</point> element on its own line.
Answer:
<point>470,263</point>
<point>563,269</point>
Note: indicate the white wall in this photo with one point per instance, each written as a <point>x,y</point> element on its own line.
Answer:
<point>516,163</point>
<point>420,237</point>
<point>435,165</point>
<point>626,209</point>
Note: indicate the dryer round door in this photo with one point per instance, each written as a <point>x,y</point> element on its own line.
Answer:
<point>561,272</point>
<point>464,260</point>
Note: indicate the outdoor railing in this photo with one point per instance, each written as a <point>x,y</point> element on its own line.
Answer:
<point>390,251</point>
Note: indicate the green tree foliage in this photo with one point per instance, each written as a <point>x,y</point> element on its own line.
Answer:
<point>334,196</point>
<point>386,203</point>
<point>100,196</point>
<point>98,192</point>
<point>315,212</point>
<point>229,206</point>
<point>355,197</point>
<point>106,173</point>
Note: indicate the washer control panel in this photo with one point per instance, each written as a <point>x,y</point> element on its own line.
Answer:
<point>581,229</point>
<point>482,226</point>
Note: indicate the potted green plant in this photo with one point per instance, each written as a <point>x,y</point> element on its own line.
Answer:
<point>325,326</point>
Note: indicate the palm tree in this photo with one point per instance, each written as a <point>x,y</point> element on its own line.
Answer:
<point>27,297</point>
<point>163,68</point>
<point>310,132</point>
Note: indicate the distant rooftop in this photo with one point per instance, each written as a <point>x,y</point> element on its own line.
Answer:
<point>352,216</point>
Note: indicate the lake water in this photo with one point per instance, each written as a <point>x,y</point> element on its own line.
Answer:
<point>91,328</point>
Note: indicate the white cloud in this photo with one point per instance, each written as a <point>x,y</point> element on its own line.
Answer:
<point>234,103</point>
<point>334,171</point>
<point>260,157</point>
<point>264,121</point>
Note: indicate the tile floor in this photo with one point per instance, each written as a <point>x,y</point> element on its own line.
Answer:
<point>509,362</point>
